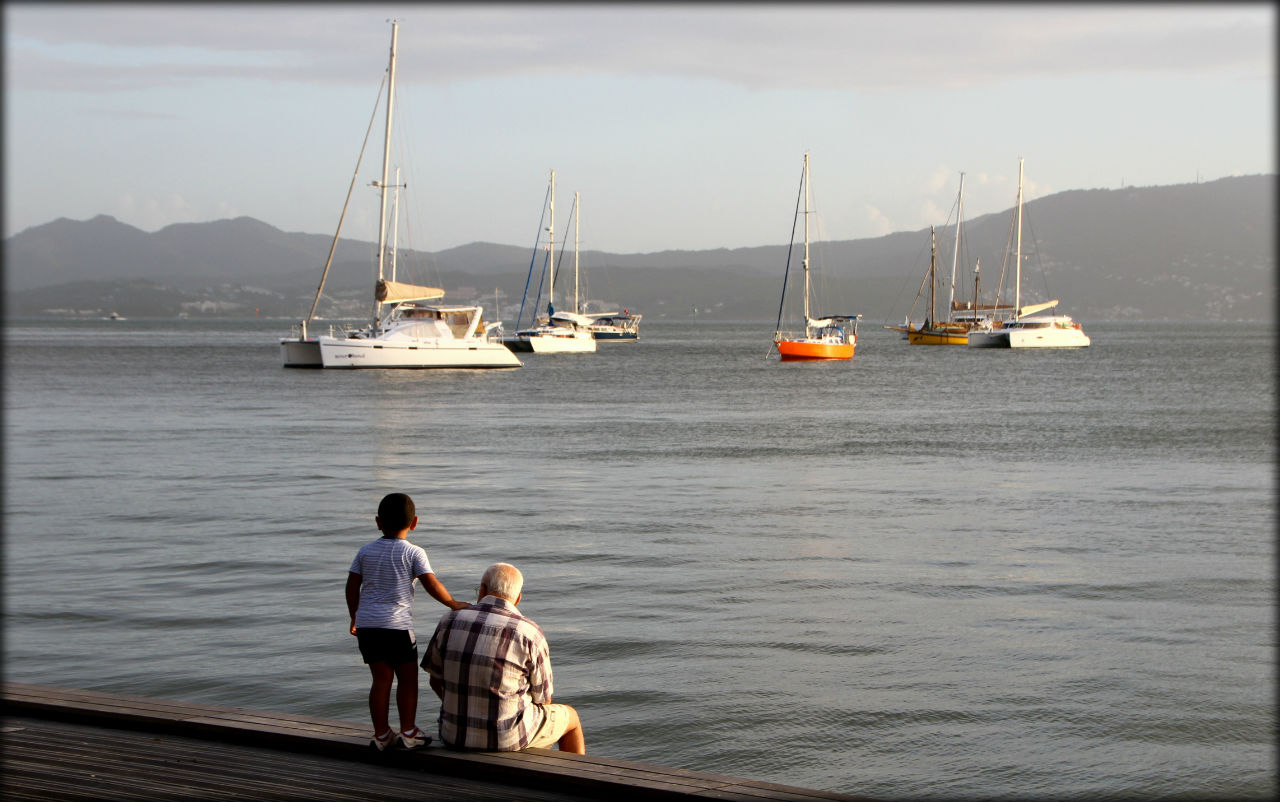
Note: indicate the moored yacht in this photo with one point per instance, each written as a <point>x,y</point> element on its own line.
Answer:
<point>405,331</point>
<point>554,332</point>
<point>1027,329</point>
<point>1031,331</point>
<point>824,337</point>
<point>614,326</point>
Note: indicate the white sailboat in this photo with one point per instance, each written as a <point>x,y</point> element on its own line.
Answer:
<point>616,327</point>
<point>1028,329</point>
<point>405,332</point>
<point>556,331</point>
<point>604,326</point>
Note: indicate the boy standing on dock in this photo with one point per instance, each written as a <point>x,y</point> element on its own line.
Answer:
<point>380,600</point>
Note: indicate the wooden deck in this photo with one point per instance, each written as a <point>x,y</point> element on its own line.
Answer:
<point>72,744</point>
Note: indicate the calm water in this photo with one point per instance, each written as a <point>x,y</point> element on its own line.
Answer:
<point>928,573</point>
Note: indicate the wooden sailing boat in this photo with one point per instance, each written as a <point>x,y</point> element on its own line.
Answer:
<point>934,331</point>
<point>961,317</point>
<point>829,337</point>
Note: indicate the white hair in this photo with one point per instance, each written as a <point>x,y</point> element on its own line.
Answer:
<point>504,579</point>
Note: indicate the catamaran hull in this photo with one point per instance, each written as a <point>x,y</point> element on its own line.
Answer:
<point>301,353</point>
<point>988,339</point>
<point>796,350</point>
<point>1048,338</point>
<point>563,345</point>
<point>357,353</point>
<point>552,345</point>
<point>518,344</point>
<point>1031,338</point>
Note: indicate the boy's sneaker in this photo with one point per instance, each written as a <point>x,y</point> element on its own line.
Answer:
<point>414,738</point>
<point>382,741</point>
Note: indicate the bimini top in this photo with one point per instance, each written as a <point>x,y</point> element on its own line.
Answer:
<point>830,320</point>
<point>570,317</point>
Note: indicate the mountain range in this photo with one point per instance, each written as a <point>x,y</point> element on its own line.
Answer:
<point>1203,251</point>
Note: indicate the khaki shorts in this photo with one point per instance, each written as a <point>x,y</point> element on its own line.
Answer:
<point>555,723</point>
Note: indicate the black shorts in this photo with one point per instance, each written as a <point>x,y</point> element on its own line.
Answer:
<point>392,646</point>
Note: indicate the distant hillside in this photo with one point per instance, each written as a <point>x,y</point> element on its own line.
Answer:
<point>1192,251</point>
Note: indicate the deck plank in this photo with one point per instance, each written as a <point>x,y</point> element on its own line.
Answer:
<point>61,760</point>
<point>124,747</point>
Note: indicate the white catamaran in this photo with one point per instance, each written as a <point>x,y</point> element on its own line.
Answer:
<point>405,332</point>
<point>557,331</point>
<point>1027,329</point>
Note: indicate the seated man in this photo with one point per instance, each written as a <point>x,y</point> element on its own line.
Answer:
<point>491,668</point>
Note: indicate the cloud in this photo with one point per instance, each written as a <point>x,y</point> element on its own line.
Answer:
<point>151,213</point>
<point>225,210</point>
<point>851,47</point>
<point>935,213</point>
<point>875,222</point>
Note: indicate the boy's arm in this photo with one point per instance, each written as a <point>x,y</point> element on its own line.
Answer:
<point>439,592</point>
<point>353,597</point>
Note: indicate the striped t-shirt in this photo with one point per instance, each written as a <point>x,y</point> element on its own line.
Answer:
<point>387,568</point>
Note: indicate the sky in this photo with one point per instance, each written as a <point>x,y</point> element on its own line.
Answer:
<point>681,126</point>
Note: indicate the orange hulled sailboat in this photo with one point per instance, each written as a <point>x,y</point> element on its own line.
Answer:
<point>824,337</point>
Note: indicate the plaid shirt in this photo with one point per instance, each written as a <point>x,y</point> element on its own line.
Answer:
<point>496,669</point>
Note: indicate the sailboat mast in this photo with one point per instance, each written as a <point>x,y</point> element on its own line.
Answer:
<point>551,249</point>
<point>976,269</point>
<point>933,276</point>
<point>577,225</point>
<point>395,227</point>
<point>806,239</point>
<point>1017,272</point>
<point>955,259</point>
<point>386,161</point>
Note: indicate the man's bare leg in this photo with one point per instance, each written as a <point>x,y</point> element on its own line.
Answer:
<point>573,739</point>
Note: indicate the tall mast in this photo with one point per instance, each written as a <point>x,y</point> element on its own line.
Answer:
<point>551,249</point>
<point>977,267</point>
<point>1017,274</point>
<point>933,276</point>
<point>395,227</point>
<point>955,260</point>
<point>806,239</point>
<point>577,225</point>
<point>386,161</point>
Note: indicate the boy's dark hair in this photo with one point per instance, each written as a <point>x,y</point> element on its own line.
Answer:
<point>395,511</point>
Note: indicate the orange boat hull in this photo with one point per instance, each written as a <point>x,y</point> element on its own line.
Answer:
<point>799,349</point>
